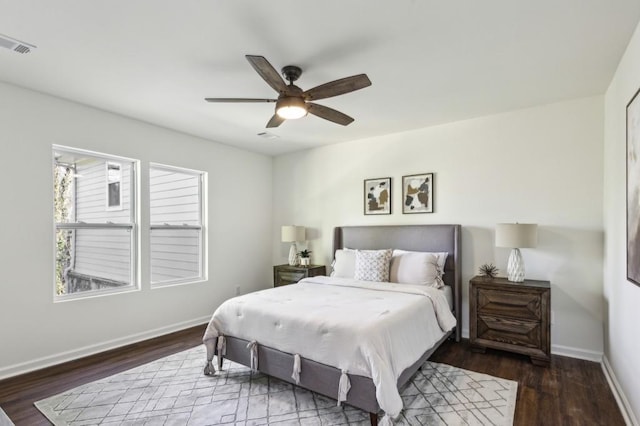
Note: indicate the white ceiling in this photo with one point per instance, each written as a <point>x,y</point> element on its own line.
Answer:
<point>430,61</point>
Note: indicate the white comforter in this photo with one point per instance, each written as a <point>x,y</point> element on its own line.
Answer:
<point>365,328</point>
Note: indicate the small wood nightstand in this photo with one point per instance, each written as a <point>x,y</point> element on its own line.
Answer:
<point>511,316</point>
<point>286,274</point>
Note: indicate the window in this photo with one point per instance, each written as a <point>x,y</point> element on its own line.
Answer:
<point>177,244</point>
<point>114,195</point>
<point>95,245</point>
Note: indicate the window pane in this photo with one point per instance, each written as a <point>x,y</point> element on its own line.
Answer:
<point>92,259</point>
<point>114,194</point>
<point>175,254</point>
<point>174,197</point>
<point>91,189</point>
<point>175,200</point>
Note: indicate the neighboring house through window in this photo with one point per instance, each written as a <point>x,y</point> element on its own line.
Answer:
<point>177,243</point>
<point>114,179</point>
<point>95,242</point>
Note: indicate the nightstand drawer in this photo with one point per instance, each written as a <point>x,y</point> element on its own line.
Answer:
<point>287,274</point>
<point>512,332</point>
<point>509,303</point>
<point>291,276</point>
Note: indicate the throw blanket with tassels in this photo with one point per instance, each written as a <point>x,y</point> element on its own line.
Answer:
<point>370,329</point>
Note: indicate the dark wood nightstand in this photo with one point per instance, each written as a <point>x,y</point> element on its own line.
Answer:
<point>511,316</point>
<point>287,274</point>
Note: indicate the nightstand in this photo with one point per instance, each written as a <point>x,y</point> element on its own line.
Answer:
<point>287,274</point>
<point>511,316</point>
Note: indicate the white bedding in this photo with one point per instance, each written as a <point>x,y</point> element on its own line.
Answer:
<point>448,293</point>
<point>365,328</point>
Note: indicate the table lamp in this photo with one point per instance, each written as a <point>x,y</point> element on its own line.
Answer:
<point>516,236</point>
<point>291,234</point>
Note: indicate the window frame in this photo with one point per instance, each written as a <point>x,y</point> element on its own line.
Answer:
<point>132,226</point>
<point>202,216</point>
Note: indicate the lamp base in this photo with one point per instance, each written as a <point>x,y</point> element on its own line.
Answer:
<point>293,255</point>
<point>515,266</point>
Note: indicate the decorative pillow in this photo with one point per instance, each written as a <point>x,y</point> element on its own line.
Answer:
<point>442,256</point>
<point>414,267</point>
<point>373,265</point>
<point>344,263</point>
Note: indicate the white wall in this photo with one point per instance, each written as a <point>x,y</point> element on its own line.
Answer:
<point>34,331</point>
<point>541,165</point>
<point>622,343</point>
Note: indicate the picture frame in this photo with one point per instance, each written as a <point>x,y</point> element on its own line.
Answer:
<point>377,196</point>
<point>417,193</point>
<point>633,188</point>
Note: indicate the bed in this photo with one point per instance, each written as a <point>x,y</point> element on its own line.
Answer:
<point>358,385</point>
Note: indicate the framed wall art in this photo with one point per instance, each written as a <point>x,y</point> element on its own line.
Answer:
<point>633,189</point>
<point>377,196</point>
<point>417,193</point>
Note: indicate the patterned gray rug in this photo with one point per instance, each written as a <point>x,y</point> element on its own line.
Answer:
<point>4,419</point>
<point>173,391</point>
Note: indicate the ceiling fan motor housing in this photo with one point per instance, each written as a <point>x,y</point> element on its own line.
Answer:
<point>291,73</point>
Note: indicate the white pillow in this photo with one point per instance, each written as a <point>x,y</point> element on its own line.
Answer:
<point>442,256</point>
<point>414,267</point>
<point>373,265</point>
<point>344,263</point>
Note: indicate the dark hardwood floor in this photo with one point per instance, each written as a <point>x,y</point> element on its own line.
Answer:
<point>569,392</point>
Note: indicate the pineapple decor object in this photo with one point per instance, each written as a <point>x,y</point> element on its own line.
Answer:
<point>489,270</point>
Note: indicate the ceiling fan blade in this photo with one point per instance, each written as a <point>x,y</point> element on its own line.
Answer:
<point>267,72</point>
<point>275,121</point>
<point>329,114</point>
<point>337,87</point>
<point>236,100</point>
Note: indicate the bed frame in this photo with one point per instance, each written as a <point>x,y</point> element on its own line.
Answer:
<point>324,379</point>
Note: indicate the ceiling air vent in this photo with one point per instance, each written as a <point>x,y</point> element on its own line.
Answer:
<point>15,45</point>
<point>267,135</point>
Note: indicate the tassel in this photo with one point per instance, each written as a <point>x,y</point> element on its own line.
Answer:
<point>343,387</point>
<point>210,344</point>
<point>209,369</point>
<point>439,273</point>
<point>222,346</point>
<point>296,369</point>
<point>253,347</point>
<point>386,421</point>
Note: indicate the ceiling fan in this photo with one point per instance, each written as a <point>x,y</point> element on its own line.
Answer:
<point>293,102</point>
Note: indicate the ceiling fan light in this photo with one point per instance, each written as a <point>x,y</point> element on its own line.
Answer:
<point>291,108</point>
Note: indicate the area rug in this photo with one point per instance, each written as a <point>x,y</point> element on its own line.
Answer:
<point>4,419</point>
<point>173,391</point>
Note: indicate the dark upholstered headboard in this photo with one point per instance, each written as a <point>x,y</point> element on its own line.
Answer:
<point>428,238</point>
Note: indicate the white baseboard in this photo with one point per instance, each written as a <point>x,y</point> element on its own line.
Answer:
<point>621,399</point>
<point>586,354</point>
<point>59,358</point>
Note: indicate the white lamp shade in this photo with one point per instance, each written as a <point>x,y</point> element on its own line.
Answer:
<point>291,233</point>
<point>516,235</point>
